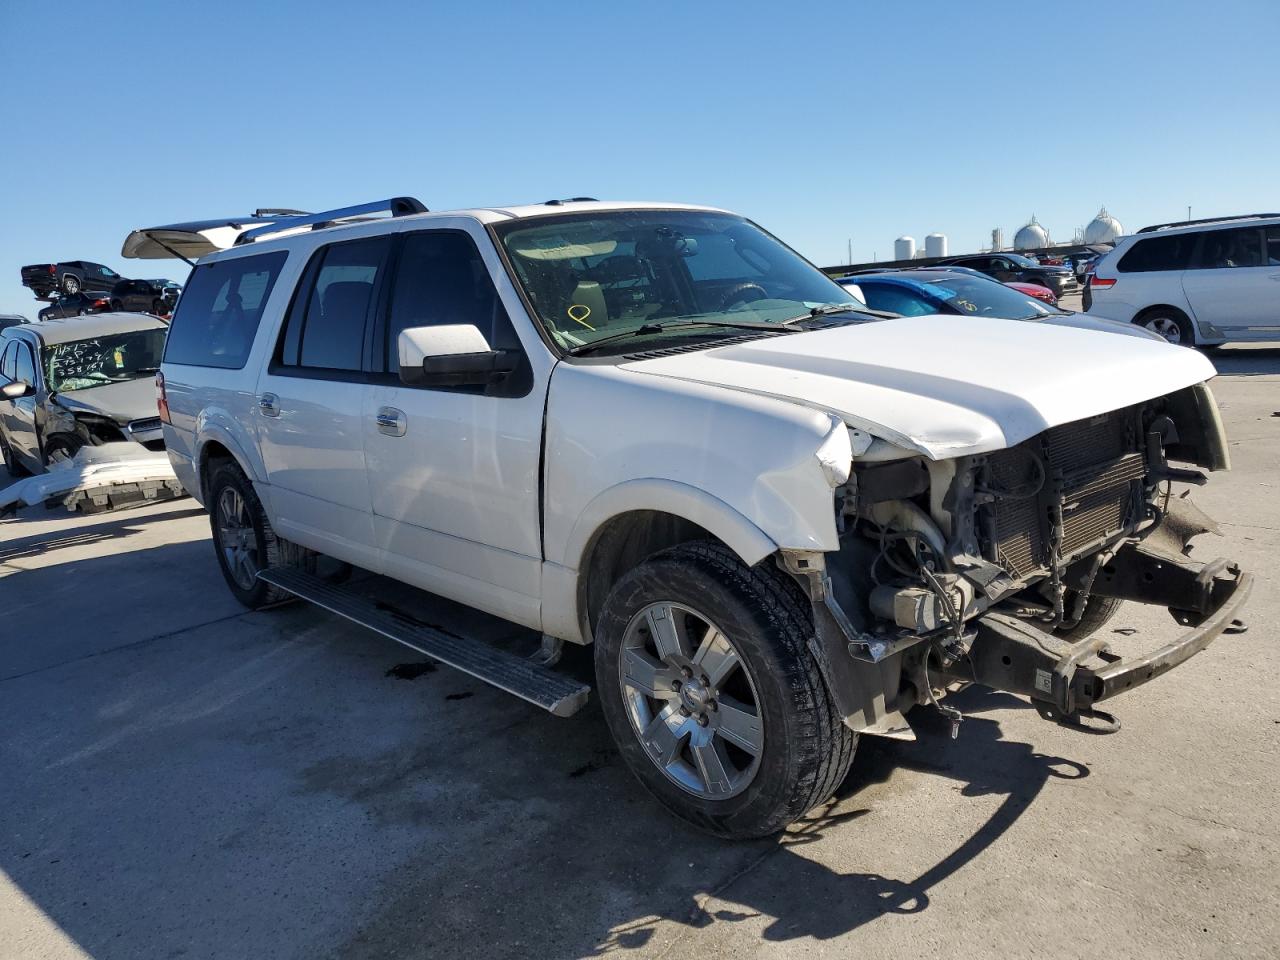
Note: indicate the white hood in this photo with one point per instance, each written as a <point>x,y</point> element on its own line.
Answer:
<point>947,386</point>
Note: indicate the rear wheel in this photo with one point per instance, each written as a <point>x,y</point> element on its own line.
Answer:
<point>1170,324</point>
<point>709,690</point>
<point>70,285</point>
<point>242,536</point>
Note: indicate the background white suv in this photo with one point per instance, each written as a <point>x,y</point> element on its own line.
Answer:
<point>1202,282</point>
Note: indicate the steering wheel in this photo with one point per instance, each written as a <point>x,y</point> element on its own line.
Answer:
<point>743,293</point>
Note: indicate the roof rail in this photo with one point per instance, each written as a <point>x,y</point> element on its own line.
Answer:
<point>265,212</point>
<point>396,206</point>
<point>1191,223</point>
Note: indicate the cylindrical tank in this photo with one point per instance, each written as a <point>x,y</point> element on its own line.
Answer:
<point>904,248</point>
<point>935,245</point>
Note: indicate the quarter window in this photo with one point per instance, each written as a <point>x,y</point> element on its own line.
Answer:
<point>1172,252</point>
<point>218,317</point>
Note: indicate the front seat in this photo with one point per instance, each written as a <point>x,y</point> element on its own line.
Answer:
<point>586,308</point>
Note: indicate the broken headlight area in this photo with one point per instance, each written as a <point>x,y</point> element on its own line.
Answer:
<point>938,557</point>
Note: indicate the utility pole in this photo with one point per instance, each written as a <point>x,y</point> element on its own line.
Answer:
<point>850,260</point>
<point>1188,213</point>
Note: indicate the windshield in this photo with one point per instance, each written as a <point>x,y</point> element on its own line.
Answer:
<point>111,358</point>
<point>600,274</point>
<point>1020,260</point>
<point>976,297</point>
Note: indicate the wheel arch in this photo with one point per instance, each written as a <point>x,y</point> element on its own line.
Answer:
<point>628,523</point>
<point>218,446</point>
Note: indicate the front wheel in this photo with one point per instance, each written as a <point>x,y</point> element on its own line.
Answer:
<point>709,690</point>
<point>60,447</point>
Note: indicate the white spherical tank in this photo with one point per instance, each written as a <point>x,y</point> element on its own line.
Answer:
<point>904,248</point>
<point>935,245</point>
<point>1104,228</point>
<point>1032,236</point>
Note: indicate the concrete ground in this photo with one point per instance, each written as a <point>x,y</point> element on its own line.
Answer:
<point>181,778</point>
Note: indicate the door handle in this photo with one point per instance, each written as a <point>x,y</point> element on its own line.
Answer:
<point>391,422</point>
<point>269,404</point>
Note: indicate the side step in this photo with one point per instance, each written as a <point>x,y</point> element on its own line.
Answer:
<point>543,687</point>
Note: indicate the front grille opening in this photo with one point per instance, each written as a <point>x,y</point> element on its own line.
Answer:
<point>1092,472</point>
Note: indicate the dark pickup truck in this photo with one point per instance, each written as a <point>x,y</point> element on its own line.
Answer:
<point>1015,268</point>
<point>47,280</point>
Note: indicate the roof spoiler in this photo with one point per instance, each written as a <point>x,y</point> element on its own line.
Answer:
<point>190,241</point>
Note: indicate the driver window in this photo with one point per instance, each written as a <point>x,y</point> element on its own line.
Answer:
<point>26,367</point>
<point>7,363</point>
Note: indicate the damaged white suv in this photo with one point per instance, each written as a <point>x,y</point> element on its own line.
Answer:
<point>782,520</point>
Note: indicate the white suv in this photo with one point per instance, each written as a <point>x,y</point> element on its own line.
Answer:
<point>783,522</point>
<point>1204,282</point>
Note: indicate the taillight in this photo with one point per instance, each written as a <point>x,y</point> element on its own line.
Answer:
<point>53,271</point>
<point>162,401</point>
<point>1101,282</point>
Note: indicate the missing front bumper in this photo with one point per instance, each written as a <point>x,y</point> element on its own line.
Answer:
<point>1066,680</point>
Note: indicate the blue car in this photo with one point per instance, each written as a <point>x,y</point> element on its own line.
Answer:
<point>914,293</point>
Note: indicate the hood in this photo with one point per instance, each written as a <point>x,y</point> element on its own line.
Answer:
<point>946,387</point>
<point>122,402</point>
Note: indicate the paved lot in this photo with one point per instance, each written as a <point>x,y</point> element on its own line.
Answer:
<point>181,778</point>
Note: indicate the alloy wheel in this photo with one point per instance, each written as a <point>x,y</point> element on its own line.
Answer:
<point>1167,327</point>
<point>691,700</point>
<point>237,538</point>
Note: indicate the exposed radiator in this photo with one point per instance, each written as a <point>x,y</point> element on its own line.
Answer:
<point>1092,472</point>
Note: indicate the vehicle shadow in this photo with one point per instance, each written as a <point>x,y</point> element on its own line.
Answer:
<point>1246,361</point>
<point>803,898</point>
<point>188,779</point>
<point>92,530</point>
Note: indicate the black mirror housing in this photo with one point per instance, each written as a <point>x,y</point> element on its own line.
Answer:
<point>462,369</point>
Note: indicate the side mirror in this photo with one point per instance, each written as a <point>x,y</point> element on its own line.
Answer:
<point>16,390</point>
<point>451,355</point>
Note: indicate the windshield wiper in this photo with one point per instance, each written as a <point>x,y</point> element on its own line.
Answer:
<point>829,308</point>
<point>652,328</point>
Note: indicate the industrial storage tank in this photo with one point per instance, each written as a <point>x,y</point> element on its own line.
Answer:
<point>1104,228</point>
<point>904,248</point>
<point>1032,236</point>
<point>935,245</point>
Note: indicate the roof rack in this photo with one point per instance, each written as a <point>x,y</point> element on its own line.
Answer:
<point>396,206</point>
<point>1191,223</point>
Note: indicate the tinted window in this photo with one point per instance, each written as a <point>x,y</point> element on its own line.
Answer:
<point>6,361</point>
<point>896,299</point>
<point>1273,246</point>
<point>326,324</point>
<point>220,311</point>
<point>26,367</point>
<point>442,280</point>
<point>1159,253</point>
<point>1232,248</point>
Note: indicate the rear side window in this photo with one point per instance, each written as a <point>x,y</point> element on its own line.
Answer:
<point>221,307</point>
<point>1273,246</point>
<point>1159,253</point>
<point>1232,248</point>
<point>326,325</point>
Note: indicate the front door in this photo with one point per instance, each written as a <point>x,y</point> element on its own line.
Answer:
<point>1233,287</point>
<point>453,472</point>
<point>310,404</point>
<point>20,424</point>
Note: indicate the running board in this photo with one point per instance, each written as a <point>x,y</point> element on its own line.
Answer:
<point>532,682</point>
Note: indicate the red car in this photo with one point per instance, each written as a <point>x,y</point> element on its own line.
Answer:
<point>1037,291</point>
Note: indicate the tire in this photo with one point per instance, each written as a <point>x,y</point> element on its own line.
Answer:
<point>1171,324</point>
<point>70,285</point>
<point>116,306</point>
<point>157,308</point>
<point>1097,611</point>
<point>242,536</point>
<point>61,446</point>
<point>775,695</point>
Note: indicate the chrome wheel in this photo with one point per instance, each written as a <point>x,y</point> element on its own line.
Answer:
<point>1167,327</point>
<point>691,701</point>
<point>237,539</point>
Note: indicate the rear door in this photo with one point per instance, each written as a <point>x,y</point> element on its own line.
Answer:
<point>310,402</point>
<point>453,471</point>
<point>1232,287</point>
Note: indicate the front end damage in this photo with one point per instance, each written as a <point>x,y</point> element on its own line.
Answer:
<point>998,568</point>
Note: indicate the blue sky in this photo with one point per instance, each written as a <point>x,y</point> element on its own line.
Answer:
<point>822,121</point>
